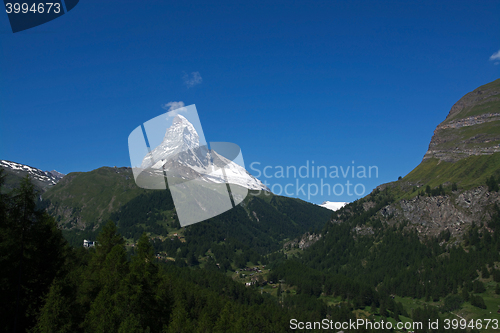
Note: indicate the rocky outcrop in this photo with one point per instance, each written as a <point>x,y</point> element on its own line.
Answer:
<point>479,96</point>
<point>469,128</point>
<point>304,242</point>
<point>469,121</point>
<point>432,215</point>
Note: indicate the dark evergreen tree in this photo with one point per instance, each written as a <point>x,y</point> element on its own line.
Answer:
<point>465,294</point>
<point>492,184</point>
<point>428,190</point>
<point>478,287</point>
<point>485,274</point>
<point>32,252</point>
<point>452,303</point>
<point>477,301</point>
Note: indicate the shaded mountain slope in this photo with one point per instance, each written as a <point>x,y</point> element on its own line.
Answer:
<point>83,201</point>
<point>86,199</point>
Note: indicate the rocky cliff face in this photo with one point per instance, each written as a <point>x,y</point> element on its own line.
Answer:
<point>303,242</point>
<point>430,215</point>
<point>472,126</point>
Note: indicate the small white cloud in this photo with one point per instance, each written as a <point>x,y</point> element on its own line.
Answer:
<point>193,79</point>
<point>495,56</point>
<point>176,107</point>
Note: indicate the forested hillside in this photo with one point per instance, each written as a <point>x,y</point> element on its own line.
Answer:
<point>384,269</point>
<point>109,288</point>
<point>244,234</point>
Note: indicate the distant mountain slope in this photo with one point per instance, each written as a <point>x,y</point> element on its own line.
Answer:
<point>260,222</point>
<point>84,200</point>
<point>41,179</point>
<point>468,173</point>
<point>333,205</point>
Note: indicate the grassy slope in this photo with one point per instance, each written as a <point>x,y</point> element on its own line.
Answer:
<point>489,105</point>
<point>467,173</point>
<point>467,311</point>
<point>93,195</point>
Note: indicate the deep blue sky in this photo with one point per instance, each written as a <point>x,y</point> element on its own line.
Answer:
<point>290,82</point>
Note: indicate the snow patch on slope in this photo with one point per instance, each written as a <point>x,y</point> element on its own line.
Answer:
<point>333,205</point>
<point>47,177</point>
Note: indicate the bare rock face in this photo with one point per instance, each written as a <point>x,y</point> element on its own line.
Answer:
<point>308,240</point>
<point>304,242</point>
<point>432,215</point>
<point>472,126</point>
<point>367,205</point>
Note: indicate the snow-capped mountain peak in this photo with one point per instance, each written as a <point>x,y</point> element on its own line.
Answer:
<point>182,155</point>
<point>333,205</point>
<point>182,130</point>
<point>56,174</point>
<point>43,178</point>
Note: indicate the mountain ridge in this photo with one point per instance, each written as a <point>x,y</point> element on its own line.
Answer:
<point>41,179</point>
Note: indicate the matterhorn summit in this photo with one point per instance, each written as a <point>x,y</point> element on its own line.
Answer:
<point>183,156</point>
